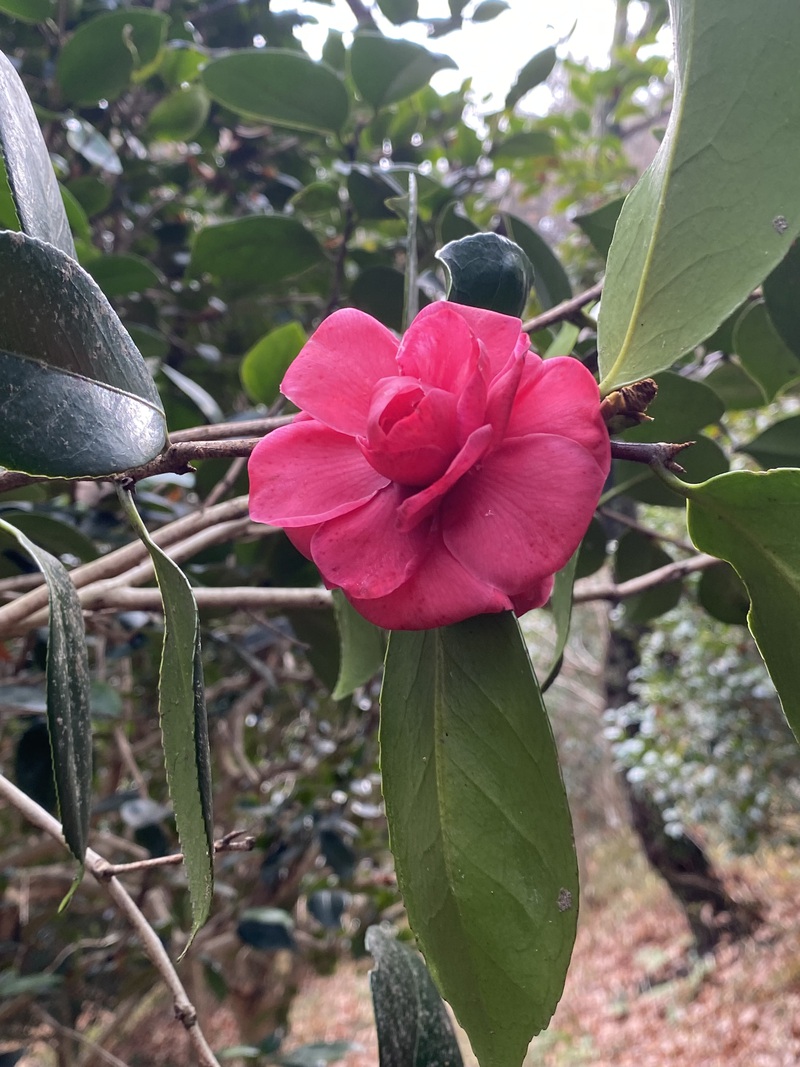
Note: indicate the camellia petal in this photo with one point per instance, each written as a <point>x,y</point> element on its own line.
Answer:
<point>293,469</point>
<point>439,593</point>
<point>560,396</point>
<point>333,377</point>
<point>500,335</point>
<point>535,596</point>
<point>439,348</point>
<point>364,553</point>
<point>422,504</point>
<point>520,516</point>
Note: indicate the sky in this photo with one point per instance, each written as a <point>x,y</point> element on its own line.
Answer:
<point>491,52</point>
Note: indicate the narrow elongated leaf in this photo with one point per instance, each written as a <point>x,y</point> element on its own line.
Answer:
<point>255,252</point>
<point>729,153</point>
<point>535,71</point>
<point>92,145</point>
<point>782,296</point>
<point>599,225</point>
<point>184,725</point>
<point>362,647</point>
<point>763,353</point>
<point>561,607</point>
<point>751,520</point>
<point>479,827</point>
<point>118,275</point>
<point>99,60</point>
<point>778,445</point>
<point>488,10</point>
<point>414,1029</point>
<point>68,715</point>
<point>28,169</point>
<point>27,10</point>
<point>78,398</point>
<point>386,71</point>
<point>281,86</point>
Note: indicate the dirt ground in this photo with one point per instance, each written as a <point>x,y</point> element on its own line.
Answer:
<point>635,996</point>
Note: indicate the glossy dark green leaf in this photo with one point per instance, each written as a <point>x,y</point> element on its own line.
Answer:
<point>92,145</point>
<point>281,86</point>
<point>535,71</point>
<point>561,607</point>
<point>27,166</point>
<point>179,116</point>
<point>734,386</point>
<point>778,445</point>
<point>399,11</point>
<point>722,594</point>
<point>369,188</point>
<point>380,291</point>
<point>386,71</point>
<point>52,534</point>
<point>67,364</point>
<point>119,275</point>
<point>184,725</point>
<point>487,271</point>
<point>763,353</point>
<point>92,193</point>
<point>729,152</point>
<point>751,521</point>
<point>414,1029</point>
<point>318,630</point>
<point>488,10</point>
<point>68,712</point>
<point>479,827</point>
<point>592,551</point>
<point>550,281</point>
<point>99,60</point>
<point>362,648</point>
<point>265,364</point>
<point>599,225</point>
<point>266,928</point>
<point>256,252</point>
<point>637,555</point>
<point>27,10</point>
<point>782,296</point>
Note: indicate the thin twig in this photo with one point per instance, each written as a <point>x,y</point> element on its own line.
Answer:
<point>585,591</point>
<point>151,943</point>
<point>221,430</point>
<point>76,1035</point>
<point>632,524</point>
<point>226,483</point>
<point>231,842</point>
<point>565,310</point>
<point>127,598</point>
<point>654,454</point>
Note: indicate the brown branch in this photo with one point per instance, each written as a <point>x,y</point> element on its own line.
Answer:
<point>231,842</point>
<point>125,598</point>
<point>655,454</point>
<point>565,310</point>
<point>632,524</point>
<point>221,430</point>
<point>585,591</point>
<point>151,943</point>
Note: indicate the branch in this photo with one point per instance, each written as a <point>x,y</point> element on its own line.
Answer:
<point>655,454</point>
<point>363,15</point>
<point>585,591</point>
<point>155,951</point>
<point>231,842</point>
<point>125,598</point>
<point>565,310</point>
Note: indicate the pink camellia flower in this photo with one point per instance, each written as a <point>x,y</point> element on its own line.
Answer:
<point>438,477</point>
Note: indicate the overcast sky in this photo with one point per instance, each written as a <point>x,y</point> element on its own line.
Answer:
<point>490,52</point>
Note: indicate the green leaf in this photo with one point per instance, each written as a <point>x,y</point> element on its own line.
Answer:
<point>488,271</point>
<point>76,216</point>
<point>599,225</point>
<point>386,71</point>
<point>734,386</point>
<point>27,166</point>
<point>68,715</point>
<point>782,296</point>
<point>593,550</point>
<point>729,153</point>
<point>52,534</point>
<point>368,189</point>
<point>380,291</point>
<point>778,445</point>
<point>763,352</point>
<point>184,725</point>
<point>525,145</point>
<point>681,408</point>
<point>92,193</point>
<point>721,593</point>
<point>84,381</point>
<point>362,647</point>
<point>179,116</point>
<point>27,10</point>
<point>256,252</point>
<point>488,10</point>
<point>199,396</point>
<point>119,275</point>
<point>88,142</point>
<point>550,280</point>
<point>479,827</point>
<point>399,11</point>
<point>561,607</point>
<point>414,1029</point>
<point>638,555</point>
<point>453,224</point>
<point>751,520</point>
<point>99,60</point>
<point>535,71</point>
<point>265,364</point>
<point>281,86</point>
